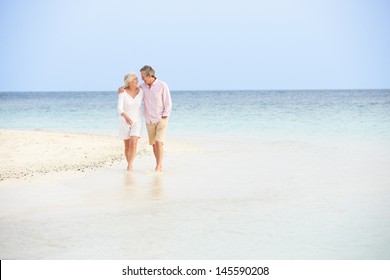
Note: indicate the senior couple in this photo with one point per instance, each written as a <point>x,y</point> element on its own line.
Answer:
<point>155,96</point>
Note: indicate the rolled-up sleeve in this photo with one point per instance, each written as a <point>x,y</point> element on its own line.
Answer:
<point>167,101</point>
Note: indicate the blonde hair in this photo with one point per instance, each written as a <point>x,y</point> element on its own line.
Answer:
<point>128,78</point>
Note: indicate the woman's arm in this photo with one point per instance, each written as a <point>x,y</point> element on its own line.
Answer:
<point>121,100</point>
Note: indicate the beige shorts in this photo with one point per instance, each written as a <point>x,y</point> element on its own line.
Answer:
<point>156,131</point>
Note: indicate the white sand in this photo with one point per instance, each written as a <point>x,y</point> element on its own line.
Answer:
<point>31,153</point>
<point>215,200</point>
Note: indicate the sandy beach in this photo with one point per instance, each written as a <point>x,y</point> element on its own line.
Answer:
<point>24,154</point>
<point>214,200</point>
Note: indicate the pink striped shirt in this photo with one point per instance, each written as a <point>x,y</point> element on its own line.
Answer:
<point>157,101</point>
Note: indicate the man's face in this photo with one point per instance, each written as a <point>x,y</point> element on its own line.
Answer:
<point>147,79</point>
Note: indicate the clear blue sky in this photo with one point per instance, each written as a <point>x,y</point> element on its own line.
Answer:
<point>201,44</point>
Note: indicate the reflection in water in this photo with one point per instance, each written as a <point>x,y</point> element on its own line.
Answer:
<point>129,180</point>
<point>130,184</point>
<point>157,189</point>
<point>139,184</point>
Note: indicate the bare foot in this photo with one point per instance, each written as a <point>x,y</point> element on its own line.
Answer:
<point>129,168</point>
<point>159,169</point>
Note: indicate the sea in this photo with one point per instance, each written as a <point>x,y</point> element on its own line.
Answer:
<point>243,114</point>
<point>248,175</point>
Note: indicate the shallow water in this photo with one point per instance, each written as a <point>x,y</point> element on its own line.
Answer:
<point>221,200</point>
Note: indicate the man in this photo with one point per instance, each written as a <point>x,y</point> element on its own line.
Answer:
<point>157,108</point>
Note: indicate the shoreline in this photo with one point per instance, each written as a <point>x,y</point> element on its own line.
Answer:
<point>25,154</point>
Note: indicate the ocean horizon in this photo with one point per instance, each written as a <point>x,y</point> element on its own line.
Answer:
<point>281,113</point>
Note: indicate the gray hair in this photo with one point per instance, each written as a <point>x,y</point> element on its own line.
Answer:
<point>149,71</point>
<point>129,77</point>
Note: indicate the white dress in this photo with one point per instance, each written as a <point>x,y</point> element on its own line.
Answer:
<point>133,108</point>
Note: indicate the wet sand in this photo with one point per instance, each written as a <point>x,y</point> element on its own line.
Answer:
<point>276,200</point>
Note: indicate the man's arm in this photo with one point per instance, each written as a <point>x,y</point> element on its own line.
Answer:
<point>167,102</point>
<point>121,90</point>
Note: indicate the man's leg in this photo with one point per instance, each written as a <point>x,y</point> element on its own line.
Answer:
<point>158,145</point>
<point>158,153</point>
<point>152,130</point>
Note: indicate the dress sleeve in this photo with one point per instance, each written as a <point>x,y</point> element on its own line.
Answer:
<point>121,98</point>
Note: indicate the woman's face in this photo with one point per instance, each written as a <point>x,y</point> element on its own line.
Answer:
<point>134,81</point>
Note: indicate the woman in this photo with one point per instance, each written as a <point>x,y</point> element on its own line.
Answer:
<point>130,120</point>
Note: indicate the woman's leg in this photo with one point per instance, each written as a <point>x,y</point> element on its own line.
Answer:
<point>127,143</point>
<point>132,151</point>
